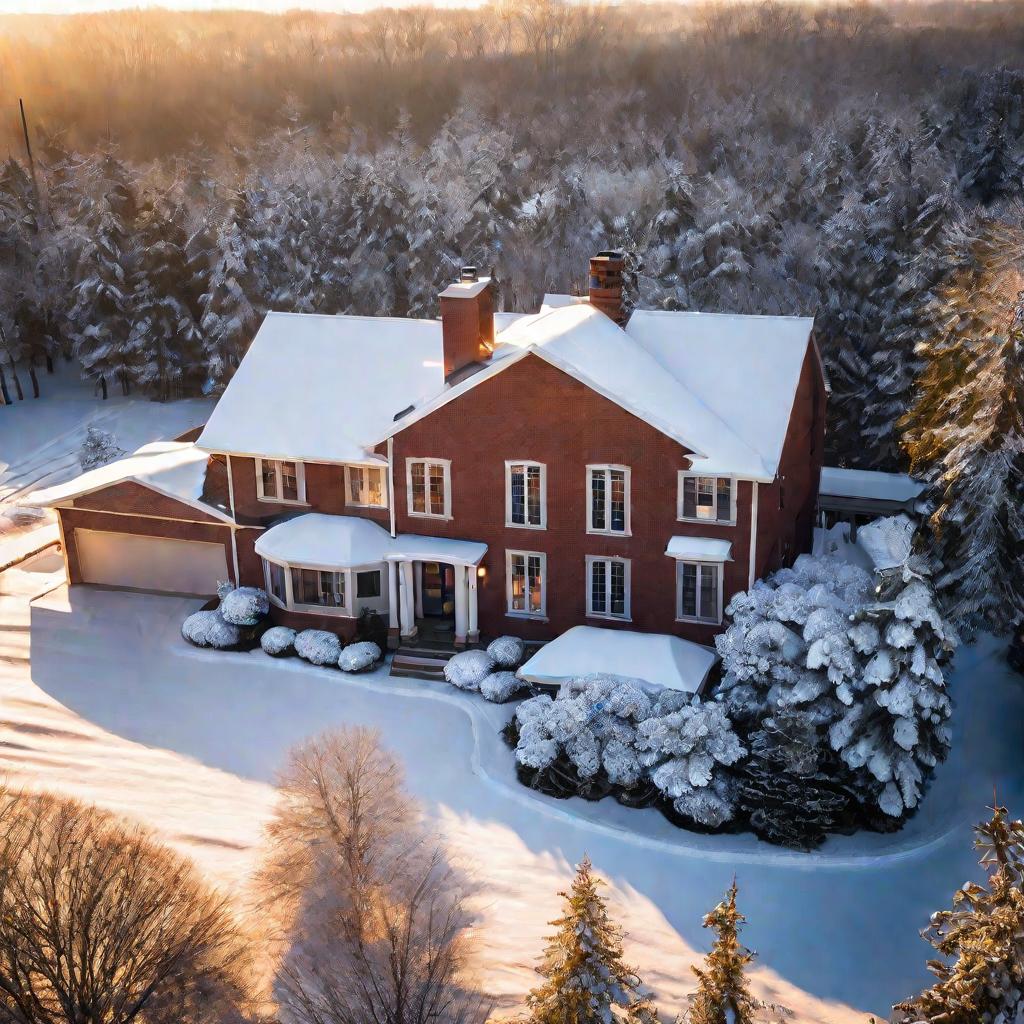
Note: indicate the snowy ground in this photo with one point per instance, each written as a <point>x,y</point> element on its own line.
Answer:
<point>116,708</point>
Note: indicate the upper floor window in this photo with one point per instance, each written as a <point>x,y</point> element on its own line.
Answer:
<point>430,488</point>
<point>526,495</point>
<point>707,498</point>
<point>608,587</point>
<point>699,591</point>
<point>366,486</point>
<point>280,480</point>
<point>526,582</point>
<point>609,499</point>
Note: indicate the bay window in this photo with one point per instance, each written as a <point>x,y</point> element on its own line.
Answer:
<point>322,588</point>
<point>699,591</point>
<point>608,587</point>
<point>608,506</point>
<point>342,592</point>
<point>280,480</point>
<point>429,485</point>
<point>366,486</point>
<point>526,575</point>
<point>707,498</point>
<point>526,495</point>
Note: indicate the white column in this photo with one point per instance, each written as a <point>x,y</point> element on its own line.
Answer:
<point>418,568</point>
<point>394,595</point>
<point>473,633</point>
<point>408,623</point>
<point>461,605</point>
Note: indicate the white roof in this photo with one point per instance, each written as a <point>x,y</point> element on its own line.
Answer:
<point>743,369</point>
<point>555,301</point>
<point>325,388</point>
<point>465,289</point>
<point>176,469</point>
<point>868,483</point>
<point>345,542</point>
<point>655,658</point>
<point>704,549</point>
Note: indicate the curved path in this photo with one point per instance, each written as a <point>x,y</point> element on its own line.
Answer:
<point>118,709</point>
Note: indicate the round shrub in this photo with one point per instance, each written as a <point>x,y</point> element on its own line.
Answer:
<point>467,669</point>
<point>318,646</point>
<point>208,629</point>
<point>278,641</point>
<point>502,686</point>
<point>245,606</point>
<point>358,657</point>
<point>507,651</point>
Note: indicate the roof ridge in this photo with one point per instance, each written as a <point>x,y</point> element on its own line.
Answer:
<point>356,316</point>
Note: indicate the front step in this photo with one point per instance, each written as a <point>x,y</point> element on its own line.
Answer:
<point>413,663</point>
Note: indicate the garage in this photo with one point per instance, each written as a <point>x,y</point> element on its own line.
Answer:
<point>150,563</point>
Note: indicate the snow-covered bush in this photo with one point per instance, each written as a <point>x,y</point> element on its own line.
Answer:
<point>98,448</point>
<point>278,641</point>
<point>507,651</point>
<point>208,629</point>
<point>467,669</point>
<point>359,656</point>
<point>502,686</point>
<point>245,606</point>
<point>318,647</point>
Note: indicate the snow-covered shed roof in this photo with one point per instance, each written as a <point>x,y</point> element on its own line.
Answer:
<point>346,542</point>
<point>868,483</point>
<point>703,549</point>
<point>744,369</point>
<point>654,658</point>
<point>176,469</point>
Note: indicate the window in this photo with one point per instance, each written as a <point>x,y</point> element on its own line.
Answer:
<point>318,587</point>
<point>368,584</point>
<point>429,484</point>
<point>277,480</point>
<point>608,587</point>
<point>706,498</point>
<point>526,573</point>
<point>609,499</point>
<point>364,485</point>
<point>275,582</point>
<point>526,496</point>
<point>699,587</point>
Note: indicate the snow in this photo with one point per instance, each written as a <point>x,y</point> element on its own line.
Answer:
<point>887,542</point>
<point>325,388</point>
<point>555,301</point>
<point>708,549</point>
<point>465,289</point>
<point>501,686</point>
<point>467,669</point>
<point>318,647</point>
<point>507,651</point>
<point>345,542</point>
<point>868,483</point>
<point>278,640</point>
<point>656,658</point>
<point>244,606</point>
<point>208,629</point>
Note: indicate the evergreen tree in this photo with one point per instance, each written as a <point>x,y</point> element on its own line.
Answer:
<point>585,978</point>
<point>981,940</point>
<point>722,995</point>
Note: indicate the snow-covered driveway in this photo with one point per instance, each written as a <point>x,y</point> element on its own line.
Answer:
<point>116,708</point>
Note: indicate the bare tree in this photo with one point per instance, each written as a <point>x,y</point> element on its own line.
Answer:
<point>374,920</point>
<point>101,925</point>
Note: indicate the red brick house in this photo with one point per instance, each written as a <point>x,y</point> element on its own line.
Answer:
<point>486,473</point>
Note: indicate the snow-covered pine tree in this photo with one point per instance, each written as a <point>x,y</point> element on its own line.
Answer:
<point>965,432</point>
<point>723,996</point>
<point>98,448</point>
<point>981,940</point>
<point>586,980</point>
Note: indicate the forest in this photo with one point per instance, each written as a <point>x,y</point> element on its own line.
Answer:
<point>856,162</point>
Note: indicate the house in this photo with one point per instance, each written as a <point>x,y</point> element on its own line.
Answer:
<point>484,473</point>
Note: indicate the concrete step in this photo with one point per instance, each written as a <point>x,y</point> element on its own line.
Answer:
<point>417,668</point>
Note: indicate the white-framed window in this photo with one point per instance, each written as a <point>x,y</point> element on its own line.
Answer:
<point>707,499</point>
<point>526,575</point>
<point>526,494</point>
<point>342,592</point>
<point>608,587</point>
<point>368,584</point>
<point>280,480</point>
<point>608,500</point>
<point>699,592</point>
<point>277,587</point>
<point>366,486</point>
<point>429,485</point>
<point>318,588</point>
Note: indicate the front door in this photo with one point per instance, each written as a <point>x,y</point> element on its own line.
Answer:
<point>438,590</point>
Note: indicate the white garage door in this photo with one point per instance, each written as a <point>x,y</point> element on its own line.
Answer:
<point>150,563</point>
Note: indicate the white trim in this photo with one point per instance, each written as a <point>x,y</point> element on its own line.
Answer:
<point>753,534</point>
<point>384,489</point>
<point>231,504</point>
<point>627,582</point>
<point>300,482</point>
<point>608,467</point>
<point>526,555</point>
<point>526,464</point>
<point>224,522</point>
<point>696,473</point>
<point>446,465</point>
<point>700,564</point>
<point>391,485</point>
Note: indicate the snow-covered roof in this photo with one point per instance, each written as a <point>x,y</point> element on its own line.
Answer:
<point>466,289</point>
<point>175,469</point>
<point>743,369</point>
<point>503,320</point>
<point>703,549</point>
<point>555,301</point>
<point>887,542</point>
<point>345,542</point>
<point>325,388</point>
<point>655,658</point>
<point>868,483</point>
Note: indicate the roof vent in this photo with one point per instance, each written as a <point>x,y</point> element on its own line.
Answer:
<point>468,274</point>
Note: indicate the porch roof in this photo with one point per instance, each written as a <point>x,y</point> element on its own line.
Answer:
<point>410,547</point>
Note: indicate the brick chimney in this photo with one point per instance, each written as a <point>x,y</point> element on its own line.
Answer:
<point>467,321</point>
<point>606,284</point>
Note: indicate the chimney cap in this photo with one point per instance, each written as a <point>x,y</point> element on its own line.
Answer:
<point>468,273</point>
<point>610,254</point>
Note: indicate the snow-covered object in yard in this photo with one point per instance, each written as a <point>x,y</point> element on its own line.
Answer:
<point>98,448</point>
<point>245,606</point>
<point>359,656</point>
<point>870,484</point>
<point>657,659</point>
<point>467,669</point>
<point>208,629</point>
<point>507,651</point>
<point>318,646</point>
<point>887,542</point>
<point>278,640</point>
<point>501,686</point>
